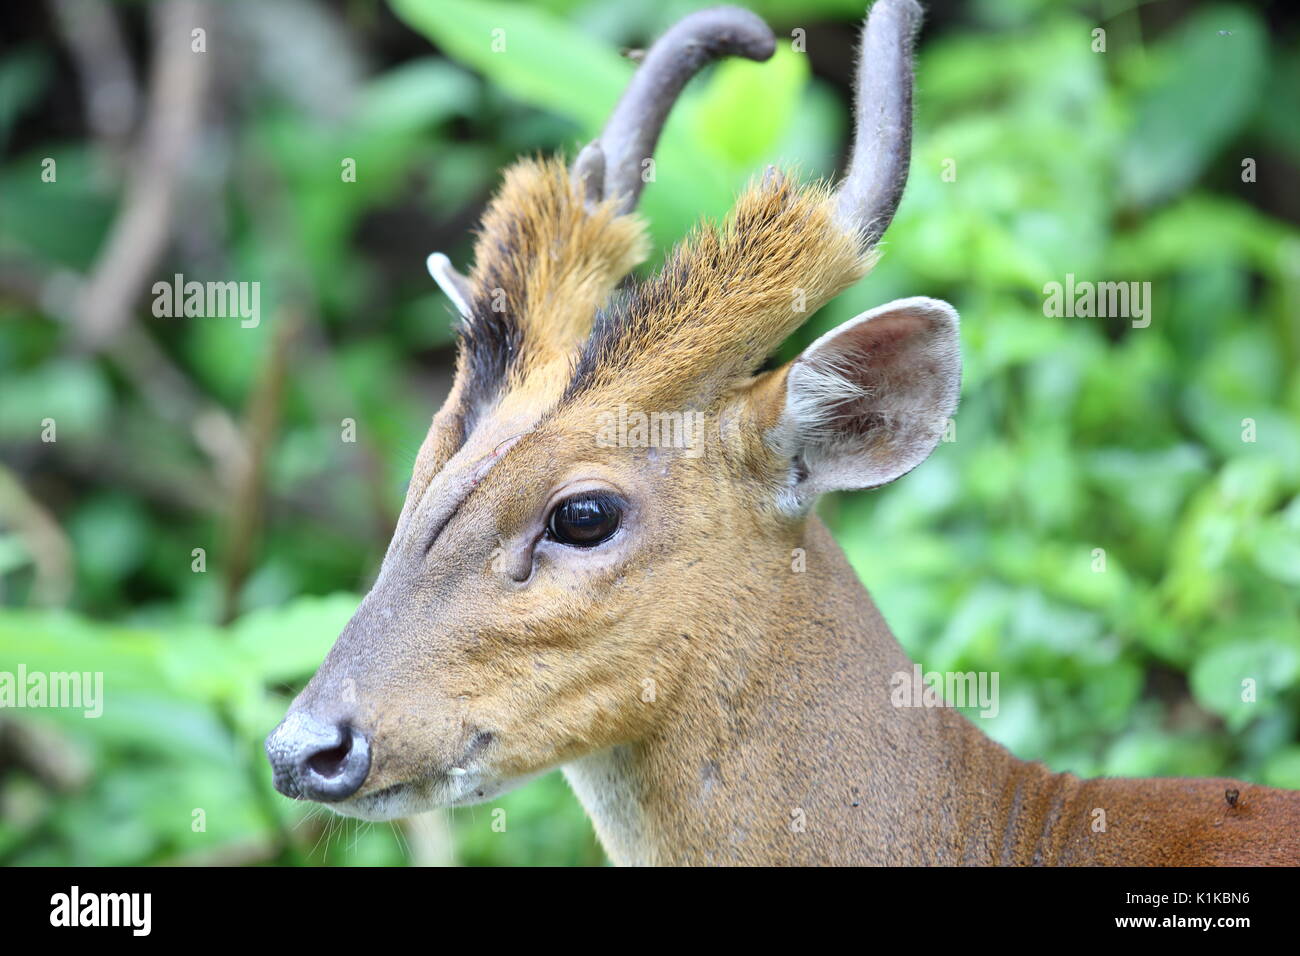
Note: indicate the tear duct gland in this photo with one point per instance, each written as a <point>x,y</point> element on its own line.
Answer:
<point>633,614</point>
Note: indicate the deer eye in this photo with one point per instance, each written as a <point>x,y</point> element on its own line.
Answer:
<point>584,521</point>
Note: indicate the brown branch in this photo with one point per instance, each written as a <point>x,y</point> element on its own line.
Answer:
<point>262,423</point>
<point>45,752</point>
<point>147,367</point>
<point>269,210</point>
<point>180,488</point>
<point>177,400</point>
<point>49,547</point>
<point>140,233</point>
<point>101,314</point>
<point>170,483</point>
<point>90,31</point>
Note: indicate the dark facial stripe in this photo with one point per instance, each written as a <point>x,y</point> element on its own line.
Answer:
<point>634,315</point>
<point>492,339</point>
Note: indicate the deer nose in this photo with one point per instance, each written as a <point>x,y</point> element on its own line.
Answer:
<point>314,760</point>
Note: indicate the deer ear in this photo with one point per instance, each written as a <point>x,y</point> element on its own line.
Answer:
<point>868,401</point>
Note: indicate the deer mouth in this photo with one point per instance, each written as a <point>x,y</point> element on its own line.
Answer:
<point>388,803</point>
<point>439,790</point>
<point>399,800</point>
<point>466,782</point>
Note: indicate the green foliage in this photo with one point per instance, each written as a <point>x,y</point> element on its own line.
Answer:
<point>1074,434</point>
<point>1200,97</point>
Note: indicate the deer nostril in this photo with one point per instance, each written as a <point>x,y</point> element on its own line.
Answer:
<point>330,763</point>
<point>337,770</point>
<point>313,759</point>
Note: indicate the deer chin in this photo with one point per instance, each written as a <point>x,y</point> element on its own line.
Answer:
<point>434,792</point>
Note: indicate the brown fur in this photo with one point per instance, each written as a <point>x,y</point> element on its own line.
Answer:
<point>724,300</point>
<point>772,701</point>
<point>550,262</point>
<point>711,704</point>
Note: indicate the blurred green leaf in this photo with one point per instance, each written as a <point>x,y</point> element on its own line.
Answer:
<point>1214,67</point>
<point>531,54</point>
<point>288,643</point>
<point>417,94</point>
<point>1252,669</point>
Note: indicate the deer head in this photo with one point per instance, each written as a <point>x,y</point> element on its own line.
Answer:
<point>562,576</point>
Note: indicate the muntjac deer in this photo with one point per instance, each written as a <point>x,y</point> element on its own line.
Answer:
<point>553,597</point>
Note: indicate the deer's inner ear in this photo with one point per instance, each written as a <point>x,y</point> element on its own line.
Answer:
<point>865,403</point>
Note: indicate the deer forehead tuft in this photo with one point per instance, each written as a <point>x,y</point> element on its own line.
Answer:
<point>724,300</point>
<point>544,263</point>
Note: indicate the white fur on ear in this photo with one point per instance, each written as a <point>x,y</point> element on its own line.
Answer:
<point>454,285</point>
<point>868,401</point>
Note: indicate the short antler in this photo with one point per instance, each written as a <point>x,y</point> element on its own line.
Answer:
<point>611,166</point>
<point>725,296</point>
<point>869,195</point>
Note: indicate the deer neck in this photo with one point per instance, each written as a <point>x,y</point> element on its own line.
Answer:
<point>791,751</point>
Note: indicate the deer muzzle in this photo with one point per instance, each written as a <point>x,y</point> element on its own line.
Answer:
<point>312,759</point>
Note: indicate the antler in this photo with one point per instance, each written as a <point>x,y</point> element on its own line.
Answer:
<point>610,166</point>
<point>868,197</point>
<point>724,297</point>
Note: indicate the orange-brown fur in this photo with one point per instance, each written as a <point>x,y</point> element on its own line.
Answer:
<point>726,298</point>
<point>553,261</point>
<point>770,737</point>
<point>772,690</point>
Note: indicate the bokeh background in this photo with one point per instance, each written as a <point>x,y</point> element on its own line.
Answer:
<point>177,434</point>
